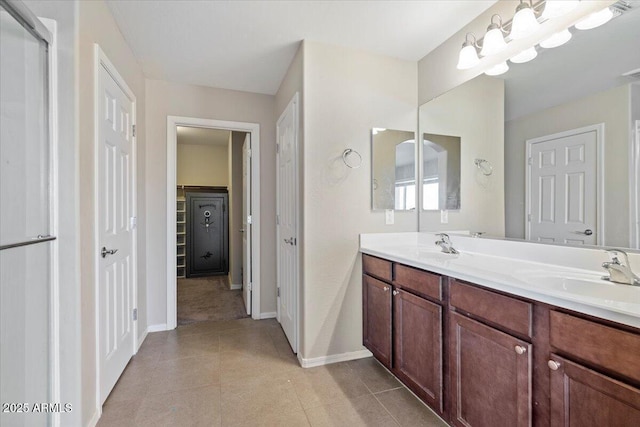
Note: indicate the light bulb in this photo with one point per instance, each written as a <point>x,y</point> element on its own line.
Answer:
<point>493,41</point>
<point>558,39</point>
<point>556,8</point>
<point>498,69</point>
<point>468,57</point>
<point>524,56</point>
<point>524,22</point>
<point>595,19</point>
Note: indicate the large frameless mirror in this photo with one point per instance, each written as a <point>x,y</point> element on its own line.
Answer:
<point>393,181</point>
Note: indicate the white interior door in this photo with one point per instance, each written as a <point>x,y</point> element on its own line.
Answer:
<point>635,188</point>
<point>115,234</point>
<point>246,222</point>
<point>287,221</point>
<point>562,190</point>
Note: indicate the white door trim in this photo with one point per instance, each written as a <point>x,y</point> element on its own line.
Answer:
<point>634,186</point>
<point>293,104</point>
<point>599,129</point>
<point>254,129</point>
<point>100,60</point>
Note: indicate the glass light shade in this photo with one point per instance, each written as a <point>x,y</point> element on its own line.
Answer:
<point>493,42</point>
<point>524,22</point>
<point>558,39</point>
<point>595,19</point>
<point>524,56</point>
<point>496,70</point>
<point>556,8</point>
<point>468,57</point>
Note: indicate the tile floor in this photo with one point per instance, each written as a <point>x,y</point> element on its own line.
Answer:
<point>243,373</point>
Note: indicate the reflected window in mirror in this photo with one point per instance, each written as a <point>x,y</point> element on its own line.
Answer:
<point>440,172</point>
<point>393,182</point>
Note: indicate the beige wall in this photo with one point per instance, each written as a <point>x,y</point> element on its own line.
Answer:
<point>98,26</point>
<point>235,202</point>
<point>200,164</point>
<point>346,93</point>
<point>168,99</point>
<point>610,107</point>
<point>473,111</point>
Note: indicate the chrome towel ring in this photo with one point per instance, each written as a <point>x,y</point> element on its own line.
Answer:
<point>351,158</point>
<point>484,166</point>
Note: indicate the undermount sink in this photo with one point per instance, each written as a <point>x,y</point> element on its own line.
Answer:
<point>583,284</point>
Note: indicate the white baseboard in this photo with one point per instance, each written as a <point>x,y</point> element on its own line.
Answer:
<point>157,328</point>
<point>141,339</point>
<point>333,358</point>
<point>269,315</point>
<point>96,417</point>
<point>235,286</point>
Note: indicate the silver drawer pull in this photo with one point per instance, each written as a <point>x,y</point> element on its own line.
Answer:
<point>520,349</point>
<point>553,365</point>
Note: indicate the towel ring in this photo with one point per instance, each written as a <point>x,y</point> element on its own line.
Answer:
<point>351,164</point>
<point>484,166</point>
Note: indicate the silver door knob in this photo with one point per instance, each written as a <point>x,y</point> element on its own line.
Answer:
<point>520,349</point>
<point>289,241</point>
<point>587,232</point>
<point>241,230</point>
<point>104,252</point>
<point>553,365</point>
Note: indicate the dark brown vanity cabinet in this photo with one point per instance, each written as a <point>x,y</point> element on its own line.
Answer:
<point>377,319</point>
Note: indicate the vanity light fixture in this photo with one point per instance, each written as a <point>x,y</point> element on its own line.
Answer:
<point>558,39</point>
<point>498,69</point>
<point>557,8</point>
<point>468,57</point>
<point>595,19</point>
<point>524,22</point>
<point>494,38</point>
<point>524,56</point>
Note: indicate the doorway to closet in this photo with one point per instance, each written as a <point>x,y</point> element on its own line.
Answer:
<point>211,196</point>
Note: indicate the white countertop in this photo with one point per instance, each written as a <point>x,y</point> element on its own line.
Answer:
<point>557,275</point>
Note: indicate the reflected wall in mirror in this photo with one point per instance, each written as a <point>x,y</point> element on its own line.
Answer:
<point>440,172</point>
<point>571,148</point>
<point>393,183</point>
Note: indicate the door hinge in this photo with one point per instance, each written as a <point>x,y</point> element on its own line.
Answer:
<point>249,286</point>
<point>277,219</point>
<point>224,207</point>
<point>133,221</point>
<point>278,292</point>
<point>135,314</point>
<point>277,148</point>
<point>133,130</point>
<point>529,217</point>
<point>249,219</point>
<point>530,161</point>
<point>248,152</point>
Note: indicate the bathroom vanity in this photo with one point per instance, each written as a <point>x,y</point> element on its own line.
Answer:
<point>499,336</point>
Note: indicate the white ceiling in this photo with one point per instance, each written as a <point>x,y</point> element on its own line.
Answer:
<point>248,45</point>
<point>203,136</point>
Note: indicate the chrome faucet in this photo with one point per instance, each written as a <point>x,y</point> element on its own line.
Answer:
<point>445,244</point>
<point>619,272</point>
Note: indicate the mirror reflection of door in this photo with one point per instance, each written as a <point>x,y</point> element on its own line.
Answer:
<point>393,182</point>
<point>440,172</point>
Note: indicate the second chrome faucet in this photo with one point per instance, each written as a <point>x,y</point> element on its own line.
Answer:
<point>445,244</point>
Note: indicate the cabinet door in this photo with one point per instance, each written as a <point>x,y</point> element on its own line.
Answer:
<point>377,319</point>
<point>582,397</point>
<point>490,376</point>
<point>417,333</point>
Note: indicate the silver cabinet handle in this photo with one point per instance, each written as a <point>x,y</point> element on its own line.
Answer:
<point>395,293</point>
<point>520,349</point>
<point>385,288</point>
<point>553,365</point>
<point>104,252</point>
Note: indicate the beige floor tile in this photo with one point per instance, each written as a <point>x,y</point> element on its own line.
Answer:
<point>133,383</point>
<point>374,375</point>
<point>119,414</point>
<point>193,407</point>
<point>248,340</point>
<point>259,397</point>
<point>185,373</point>
<point>363,411</point>
<point>290,419</point>
<point>329,384</point>
<point>237,366</point>
<point>408,410</point>
<point>177,347</point>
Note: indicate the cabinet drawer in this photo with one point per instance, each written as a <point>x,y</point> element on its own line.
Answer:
<point>511,313</point>
<point>609,348</point>
<point>421,282</point>
<point>377,267</point>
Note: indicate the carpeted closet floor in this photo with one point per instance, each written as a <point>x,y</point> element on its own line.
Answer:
<point>208,298</point>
